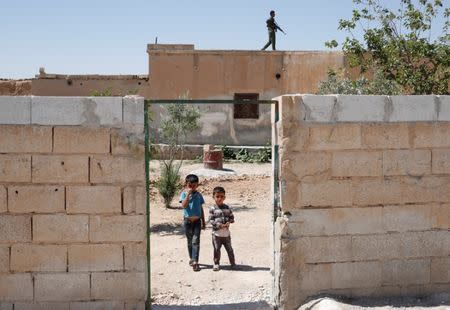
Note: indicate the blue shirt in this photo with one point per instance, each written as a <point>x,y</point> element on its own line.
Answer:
<point>194,207</point>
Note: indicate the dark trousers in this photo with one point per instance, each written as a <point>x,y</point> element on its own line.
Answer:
<point>217,244</point>
<point>271,40</point>
<point>192,230</point>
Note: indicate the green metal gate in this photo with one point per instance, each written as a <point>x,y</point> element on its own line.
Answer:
<point>275,165</point>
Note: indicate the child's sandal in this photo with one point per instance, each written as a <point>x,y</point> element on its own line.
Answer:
<point>195,267</point>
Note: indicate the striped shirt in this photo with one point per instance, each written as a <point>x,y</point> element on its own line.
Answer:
<point>220,215</point>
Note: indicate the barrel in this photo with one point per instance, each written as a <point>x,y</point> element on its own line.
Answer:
<point>212,158</point>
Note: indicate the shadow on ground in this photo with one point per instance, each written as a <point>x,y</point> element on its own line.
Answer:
<point>245,305</point>
<point>165,229</point>
<point>237,268</point>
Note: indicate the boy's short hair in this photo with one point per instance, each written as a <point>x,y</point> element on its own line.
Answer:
<point>191,178</point>
<point>272,12</point>
<point>218,189</point>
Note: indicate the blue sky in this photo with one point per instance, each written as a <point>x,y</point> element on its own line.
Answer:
<point>110,36</point>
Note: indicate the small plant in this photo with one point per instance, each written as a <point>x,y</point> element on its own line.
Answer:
<point>228,153</point>
<point>169,182</point>
<point>105,93</point>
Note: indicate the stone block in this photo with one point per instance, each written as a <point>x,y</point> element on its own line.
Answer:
<point>42,306</point>
<point>140,305</point>
<point>444,108</point>
<point>335,137</point>
<point>316,277</point>
<point>375,247</point>
<point>60,169</point>
<point>6,305</point>
<point>133,110</point>
<point>95,257</point>
<point>378,192</point>
<point>118,286</point>
<point>60,228</point>
<point>3,198</point>
<point>427,135</point>
<point>406,162</point>
<point>61,287</point>
<point>4,259</point>
<point>356,275</point>
<point>135,257</point>
<point>117,228</point>
<point>134,200</point>
<point>299,165</point>
<point>15,110</point>
<point>326,193</point>
<point>93,199</point>
<point>293,138</point>
<point>34,257</point>
<point>15,228</point>
<point>340,221</point>
<point>318,109</point>
<point>440,270</point>
<point>124,142</point>
<point>25,139</point>
<point>108,169</point>
<point>424,244</point>
<point>356,163</point>
<point>36,199</point>
<point>385,136</point>
<point>413,108</point>
<point>324,249</point>
<point>408,218</point>
<point>18,286</point>
<point>84,140</point>
<point>87,111</point>
<point>441,161</point>
<point>427,189</point>
<point>15,168</point>
<point>351,108</point>
<point>97,305</point>
<point>406,272</point>
<point>441,216</point>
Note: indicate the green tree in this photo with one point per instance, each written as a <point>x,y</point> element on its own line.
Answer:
<point>398,43</point>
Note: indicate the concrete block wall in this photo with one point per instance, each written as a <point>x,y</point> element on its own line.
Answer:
<point>72,204</point>
<point>365,196</point>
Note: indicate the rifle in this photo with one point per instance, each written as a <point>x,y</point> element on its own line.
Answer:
<point>279,28</point>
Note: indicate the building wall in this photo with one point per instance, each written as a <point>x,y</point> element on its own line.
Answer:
<point>72,204</point>
<point>365,196</point>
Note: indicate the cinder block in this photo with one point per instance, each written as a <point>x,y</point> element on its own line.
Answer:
<point>318,109</point>
<point>33,257</point>
<point>408,218</point>
<point>440,270</point>
<point>375,247</point>
<point>4,259</point>
<point>117,228</point>
<point>135,257</point>
<point>324,249</point>
<point>293,138</point>
<point>431,134</point>
<point>6,305</point>
<point>315,277</point>
<point>87,111</point>
<point>339,221</point>
<point>124,142</point>
<point>15,228</point>
<point>356,163</point>
<point>326,193</point>
<point>405,272</point>
<point>18,286</point>
<point>135,305</point>
<point>93,199</point>
<point>61,287</point>
<point>95,257</point>
<point>15,168</point>
<point>385,136</point>
<point>25,139</point>
<point>108,169</point>
<point>15,110</point>
<point>3,197</point>
<point>60,228</point>
<point>353,108</point>
<point>42,306</point>
<point>36,199</point>
<point>406,162</point>
<point>289,195</point>
<point>356,275</point>
<point>444,108</point>
<point>441,161</point>
<point>427,189</point>
<point>118,286</point>
<point>441,216</point>
<point>378,191</point>
<point>299,165</point>
<point>97,305</point>
<point>60,169</point>
<point>425,244</point>
<point>133,110</point>
<point>134,200</point>
<point>413,108</point>
<point>73,140</point>
<point>335,137</point>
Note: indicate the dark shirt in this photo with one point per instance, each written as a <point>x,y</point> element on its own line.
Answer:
<point>271,25</point>
<point>220,215</point>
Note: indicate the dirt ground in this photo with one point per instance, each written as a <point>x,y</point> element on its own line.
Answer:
<point>176,286</point>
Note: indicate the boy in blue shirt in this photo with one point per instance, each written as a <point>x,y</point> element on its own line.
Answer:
<point>193,218</point>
